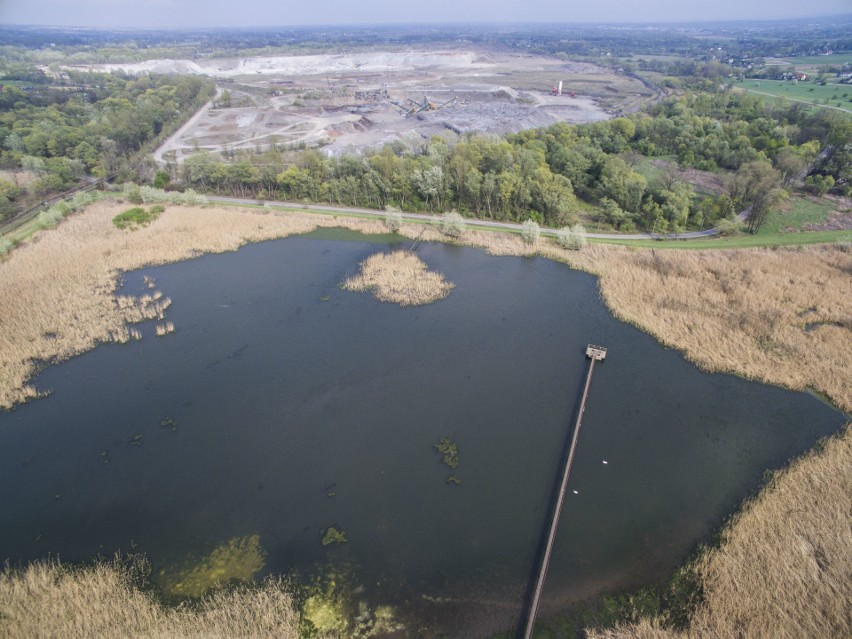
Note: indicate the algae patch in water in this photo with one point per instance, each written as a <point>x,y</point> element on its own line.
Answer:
<point>240,559</point>
<point>449,452</point>
<point>333,536</point>
<point>325,614</point>
<point>331,607</point>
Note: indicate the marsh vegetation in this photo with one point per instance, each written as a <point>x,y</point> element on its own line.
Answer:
<point>399,277</point>
<point>670,293</point>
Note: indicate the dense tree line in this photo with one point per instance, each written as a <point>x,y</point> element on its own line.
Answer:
<point>552,175</point>
<point>84,124</point>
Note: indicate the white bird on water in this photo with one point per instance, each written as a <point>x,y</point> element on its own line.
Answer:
<point>605,461</point>
<point>576,492</point>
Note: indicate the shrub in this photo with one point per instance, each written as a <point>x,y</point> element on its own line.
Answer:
<point>161,179</point>
<point>49,219</point>
<point>137,216</point>
<point>151,195</point>
<point>572,237</point>
<point>393,220</point>
<point>131,193</point>
<point>452,224</point>
<point>530,230</point>
<point>6,245</point>
<point>819,184</point>
<point>189,198</point>
<point>81,200</point>
<point>732,226</point>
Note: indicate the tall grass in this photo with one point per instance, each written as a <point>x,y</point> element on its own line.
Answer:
<point>46,600</point>
<point>782,316</point>
<point>782,568</point>
<point>57,291</point>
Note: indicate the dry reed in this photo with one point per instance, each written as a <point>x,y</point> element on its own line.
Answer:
<point>399,277</point>
<point>47,600</point>
<point>57,291</point>
<point>782,569</point>
<point>780,315</point>
<point>164,329</point>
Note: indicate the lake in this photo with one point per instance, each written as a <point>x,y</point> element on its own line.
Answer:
<point>291,406</point>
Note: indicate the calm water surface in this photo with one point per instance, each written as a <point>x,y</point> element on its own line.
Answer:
<point>285,388</point>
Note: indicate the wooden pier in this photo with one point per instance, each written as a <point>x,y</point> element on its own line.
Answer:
<point>595,354</point>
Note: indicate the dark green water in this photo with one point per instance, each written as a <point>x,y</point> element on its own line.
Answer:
<point>282,394</point>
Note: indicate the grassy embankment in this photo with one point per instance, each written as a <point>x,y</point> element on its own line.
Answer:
<point>782,316</point>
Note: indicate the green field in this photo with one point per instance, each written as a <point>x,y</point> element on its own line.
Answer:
<point>795,213</point>
<point>837,96</point>
<point>820,60</point>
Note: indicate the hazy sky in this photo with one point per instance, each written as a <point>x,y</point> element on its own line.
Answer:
<point>240,13</point>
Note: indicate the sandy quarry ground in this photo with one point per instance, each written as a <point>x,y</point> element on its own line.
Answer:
<point>344,103</point>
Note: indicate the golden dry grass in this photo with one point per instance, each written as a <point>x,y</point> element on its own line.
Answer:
<point>783,569</point>
<point>45,600</point>
<point>57,291</point>
<point>399,277</point>
<point>743,311</point>
<point>785,562</point>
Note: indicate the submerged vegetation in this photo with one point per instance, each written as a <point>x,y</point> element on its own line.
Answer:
<point>333,536</point>
<point>449,452</point>
<point>239,559</point>
<point>399,277</point>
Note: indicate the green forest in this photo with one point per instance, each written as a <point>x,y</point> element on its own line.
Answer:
<point>564,172</point>
<point>54,131</point>
<point>58,130</point>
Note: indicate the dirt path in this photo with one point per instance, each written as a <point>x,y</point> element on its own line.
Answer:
<point>171,144</point>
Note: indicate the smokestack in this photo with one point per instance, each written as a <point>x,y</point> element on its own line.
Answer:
<point>560,87</point>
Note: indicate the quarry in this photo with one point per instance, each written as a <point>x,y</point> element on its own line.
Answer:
<point>348,102</point>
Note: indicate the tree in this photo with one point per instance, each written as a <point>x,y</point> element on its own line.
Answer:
<point>756,186</point>
<point>572,237</point>
<point>161,179</point>
<point>452,224</point>
<point>393,219</point>
<point>530,230</point>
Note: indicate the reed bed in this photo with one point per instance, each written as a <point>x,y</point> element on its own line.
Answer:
<point>782,568</point>
<point>46,600</point>
<point>780,315</point>
<point>57,291</point>
<point>401,278</point>
<point>164,329</point>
